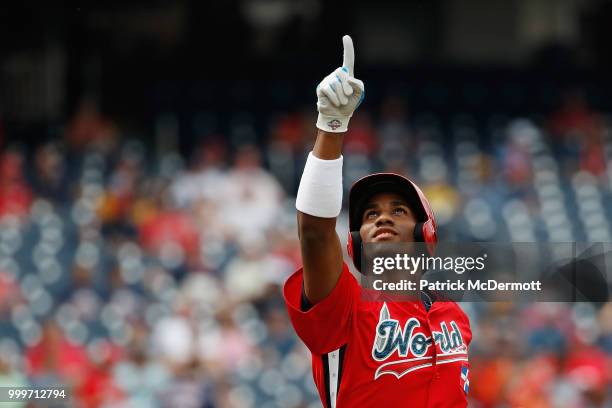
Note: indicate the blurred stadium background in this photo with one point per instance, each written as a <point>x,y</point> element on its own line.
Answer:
<point>151,154</point>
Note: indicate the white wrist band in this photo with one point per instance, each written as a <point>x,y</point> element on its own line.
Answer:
<point>332,124</point>
<point>320,191</point>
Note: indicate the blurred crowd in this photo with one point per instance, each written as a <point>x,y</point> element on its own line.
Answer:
<point>142,277</point>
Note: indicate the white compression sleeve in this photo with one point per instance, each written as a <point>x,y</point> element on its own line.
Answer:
<point>320,191</point>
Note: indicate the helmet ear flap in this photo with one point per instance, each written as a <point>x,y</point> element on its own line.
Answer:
<point>429,232</point>
<point>426,232</point>
<point>354,248</point>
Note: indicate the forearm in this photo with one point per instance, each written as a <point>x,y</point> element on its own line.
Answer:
<point>328,146</point>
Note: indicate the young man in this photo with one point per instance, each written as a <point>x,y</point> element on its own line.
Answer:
<point>368,351</point>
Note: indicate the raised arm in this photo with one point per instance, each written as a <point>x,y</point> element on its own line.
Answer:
<point>319,198</point>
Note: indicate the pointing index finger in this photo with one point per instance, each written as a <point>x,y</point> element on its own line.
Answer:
<point>349,54</point>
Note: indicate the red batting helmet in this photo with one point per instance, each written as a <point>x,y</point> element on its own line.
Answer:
<point>366,187</point>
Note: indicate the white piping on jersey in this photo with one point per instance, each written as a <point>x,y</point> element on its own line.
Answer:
<point>453,353</point>
<point>333,365</point>
<point>452,360</point>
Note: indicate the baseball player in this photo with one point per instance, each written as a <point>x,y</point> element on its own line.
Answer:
<point>375,352</point>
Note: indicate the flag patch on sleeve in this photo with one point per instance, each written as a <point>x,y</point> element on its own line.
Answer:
<point>464,381</point>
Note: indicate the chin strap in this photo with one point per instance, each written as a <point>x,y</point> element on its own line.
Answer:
<point>418,234</point>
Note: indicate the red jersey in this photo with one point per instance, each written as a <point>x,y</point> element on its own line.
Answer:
<point>373,352</point>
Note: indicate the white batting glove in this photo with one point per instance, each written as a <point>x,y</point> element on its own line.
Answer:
<point>339,94</point>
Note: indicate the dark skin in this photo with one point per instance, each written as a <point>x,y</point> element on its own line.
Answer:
<point>387,217</point>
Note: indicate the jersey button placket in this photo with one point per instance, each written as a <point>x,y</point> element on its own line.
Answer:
<point>436,374</point>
